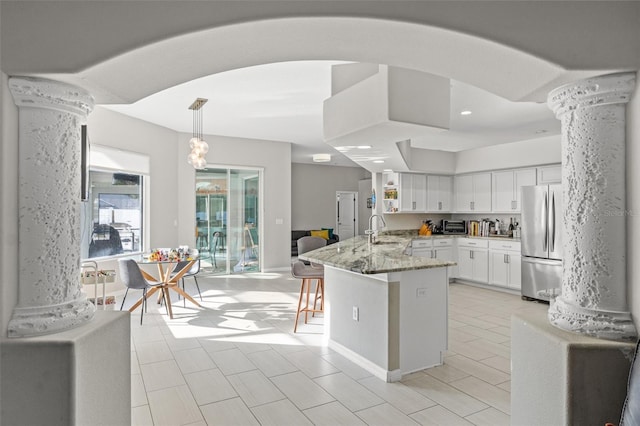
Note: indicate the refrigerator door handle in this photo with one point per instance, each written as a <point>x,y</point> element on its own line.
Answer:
<point>545,216</point>
<point>552,217</point>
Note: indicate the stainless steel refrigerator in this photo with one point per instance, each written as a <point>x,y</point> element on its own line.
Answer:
<point>541,234</point>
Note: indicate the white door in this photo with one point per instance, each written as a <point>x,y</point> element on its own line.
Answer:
<point>347,214</point>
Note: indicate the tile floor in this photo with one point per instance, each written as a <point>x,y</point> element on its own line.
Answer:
<point>237,362</point>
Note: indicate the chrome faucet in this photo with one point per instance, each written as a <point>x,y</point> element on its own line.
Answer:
<point>370,232</point>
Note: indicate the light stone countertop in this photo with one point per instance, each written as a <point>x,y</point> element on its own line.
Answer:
<point>388,255</point>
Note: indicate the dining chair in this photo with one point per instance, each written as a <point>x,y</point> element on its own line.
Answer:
<point>192,272</point>
<point>215,240</point>
<point>132,277</point>
<point>308,273</point>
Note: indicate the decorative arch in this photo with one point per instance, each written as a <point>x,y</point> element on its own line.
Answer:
<point>495,67</point>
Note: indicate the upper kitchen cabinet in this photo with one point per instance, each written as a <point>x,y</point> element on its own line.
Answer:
<point>439,193</point>
<point>413,193</point>
<point>405,193</point>
<point>549,174</point>
<point>506,189</point>
<point>473,193</point>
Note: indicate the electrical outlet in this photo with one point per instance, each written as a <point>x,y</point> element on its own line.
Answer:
<point>421,292</point>
<point>356,313</point>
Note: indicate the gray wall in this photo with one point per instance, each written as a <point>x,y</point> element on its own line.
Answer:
<point>313,193</point>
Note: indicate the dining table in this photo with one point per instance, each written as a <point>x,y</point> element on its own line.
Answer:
<point>167,279</point>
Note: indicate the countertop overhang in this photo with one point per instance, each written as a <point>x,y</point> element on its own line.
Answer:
<point>388,254</point>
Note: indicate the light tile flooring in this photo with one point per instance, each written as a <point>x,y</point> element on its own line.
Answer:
<point>237,362</point>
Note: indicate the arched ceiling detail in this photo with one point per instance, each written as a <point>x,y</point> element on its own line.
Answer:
<point>495,67</point>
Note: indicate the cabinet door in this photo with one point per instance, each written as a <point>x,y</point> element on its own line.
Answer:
<point>439,189</point>
<point>503,190</point>
<point>498,268</point>
<point>446,190</point>
<point>405,192</point>
<point>549,175</point>
<point>482,192</point>
<point>444,253</point>
<point>525,177</point>
<point>419,193</point>
<point>481,266</point>
<point>433,193</point>
<point>514,266</point>
<point>465,263</point>
<point>464,193</point>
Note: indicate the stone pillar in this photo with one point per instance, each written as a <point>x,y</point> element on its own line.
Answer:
<point>48,253</point>
<point>594,283</point>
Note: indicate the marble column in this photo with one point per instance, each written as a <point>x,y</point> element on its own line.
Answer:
<point>50,298</point>
<point>594,283</point>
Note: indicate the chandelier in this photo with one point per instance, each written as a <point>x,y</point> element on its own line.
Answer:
<point>199,147</point>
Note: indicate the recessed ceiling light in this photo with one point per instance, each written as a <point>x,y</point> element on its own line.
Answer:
<point>378,161</point>
<point>364,146</point>
<point>465,112</point>
<point>321,158</point>
<point>387,170</point>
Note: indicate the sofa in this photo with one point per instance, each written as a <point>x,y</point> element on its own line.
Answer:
<point>296,235</point>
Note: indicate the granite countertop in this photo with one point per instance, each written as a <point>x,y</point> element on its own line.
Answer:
<point>413,234</point>
<point>387,255</point>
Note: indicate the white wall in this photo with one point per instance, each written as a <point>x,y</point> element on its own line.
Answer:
<point>275,159</point>
<point>109,128</point>
<point>432,161</point>
<point>9,205</point>
<point>532,152</point>
<point>172,180</point>
<point>313,193</point>
<point>364,192</point>
<point>633,205</point>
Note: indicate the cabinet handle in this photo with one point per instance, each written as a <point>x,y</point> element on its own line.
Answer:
<point>470,254</point>
<point>439,205</point>
<point>433,254</point>
<point>505,260</point>
<point>471,205</point>
<point>414,205</point>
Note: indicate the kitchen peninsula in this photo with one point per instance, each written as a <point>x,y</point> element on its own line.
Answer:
<point>384,309</point>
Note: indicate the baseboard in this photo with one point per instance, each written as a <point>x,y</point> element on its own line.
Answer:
<point>376,370</point>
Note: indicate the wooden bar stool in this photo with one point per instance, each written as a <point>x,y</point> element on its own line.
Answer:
<point>309,273</point>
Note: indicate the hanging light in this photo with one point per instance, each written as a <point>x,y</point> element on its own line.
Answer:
<point>199,147</point>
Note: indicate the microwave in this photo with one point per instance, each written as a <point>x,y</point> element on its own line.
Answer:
<point>454,227</point>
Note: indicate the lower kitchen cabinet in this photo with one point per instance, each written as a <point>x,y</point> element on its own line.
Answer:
<point>436,248</point>
<point>504,264</point>
<point>473,260</point>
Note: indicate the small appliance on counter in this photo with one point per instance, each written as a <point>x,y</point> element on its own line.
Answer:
<point>453,227</point>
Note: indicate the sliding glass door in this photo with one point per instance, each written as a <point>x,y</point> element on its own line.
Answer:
<point>228,215</point>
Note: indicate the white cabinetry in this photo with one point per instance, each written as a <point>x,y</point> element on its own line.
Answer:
<point>413,193</point>
<point>549,174</point>
<point>473,261</point>
<point>473,193</point>
<point>506,186</point>
<point>436,248</point>
<point>439,191</point>
<point>504,264</point>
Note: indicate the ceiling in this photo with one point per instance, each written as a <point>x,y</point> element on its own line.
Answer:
<point>284,102</point>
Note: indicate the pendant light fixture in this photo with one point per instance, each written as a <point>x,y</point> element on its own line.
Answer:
<point>199,147</point>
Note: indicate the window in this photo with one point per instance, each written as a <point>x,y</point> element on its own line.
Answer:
<point>112,217</point>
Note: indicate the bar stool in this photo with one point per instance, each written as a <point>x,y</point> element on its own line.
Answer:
<point>309,273</point>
